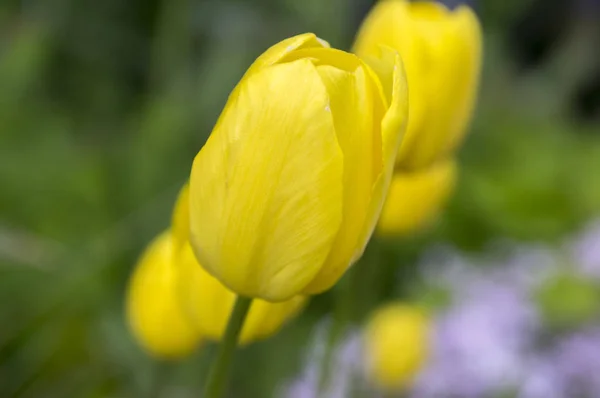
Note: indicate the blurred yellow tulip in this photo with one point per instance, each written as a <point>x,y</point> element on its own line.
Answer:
<point>154,311</point>
<point>415,198</point>
<point>442,51</point>
<point>288,188</point>
<point>396,341</point>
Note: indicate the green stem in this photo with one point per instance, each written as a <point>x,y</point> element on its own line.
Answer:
<point>220,368</point>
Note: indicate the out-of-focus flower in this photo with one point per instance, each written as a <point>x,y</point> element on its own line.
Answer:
<point>154,312</point>
<point>396,345</point>
<point>415,198</point>
<point>481,342</point>
<point>579,357</point>
<point>289,186</point>
<point>442,52</point>
<point>524,267</point>
<point>208,303</point>
<point>586,251</point>
<point>493,338</point>
<point>470,355</point>
<point>543,380</point>
<point>568,370</point>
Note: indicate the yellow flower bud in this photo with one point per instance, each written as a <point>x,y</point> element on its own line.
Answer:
<point>209,304</point>
<point>288,188</point>
<point>441,50</point>
<point>396,342</point>
<point>154,312</point>
<point>415,198</point>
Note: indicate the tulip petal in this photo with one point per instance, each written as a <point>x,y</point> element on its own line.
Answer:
<point>265,318</point>
<point>386,24</point>
<point>266,189</point>
<point>383,74</point>
<point>429,11</point>
<point>396,346</point>
<point>209,304</point>
<point>453,43</point>
<point>326,56</point>
<point>414,199</point>
<point>389,25</point>
<point>152,303</point>
<point>352,98</point>
<point>393,127</point>
<point>277,52</point>
<point>465,69</point>
<point>206,301</point>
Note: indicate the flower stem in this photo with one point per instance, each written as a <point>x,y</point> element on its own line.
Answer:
<point>220,368</point>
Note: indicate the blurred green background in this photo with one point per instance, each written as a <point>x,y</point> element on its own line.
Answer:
<point>103,105</point>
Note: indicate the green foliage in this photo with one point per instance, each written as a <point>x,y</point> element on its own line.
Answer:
<point>567,301</point>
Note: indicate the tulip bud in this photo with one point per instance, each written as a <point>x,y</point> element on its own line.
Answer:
<point>288,188</point>
<point>154,313</point>
<point>441,50</point>
<point>396,345</point>
<point>415,198</point>
<point>209,304</point>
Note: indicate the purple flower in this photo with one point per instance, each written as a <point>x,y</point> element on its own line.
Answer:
<point>569,369</point>
<point>487,343</point>
<point>543,380</point>
<point>579,359</point>
<point>481,344</point>
<point>530,266</point>
<point>525,267</point>
<point>586,251</point>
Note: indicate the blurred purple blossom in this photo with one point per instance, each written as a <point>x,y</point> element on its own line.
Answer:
<point>585,249</point>
<point>481,343</point>
<point>490,341</point>
<point>543,380</point>
<point>525,266</point>
<point>578,356</point>
<point>569,369</point>
<point>487,342</point>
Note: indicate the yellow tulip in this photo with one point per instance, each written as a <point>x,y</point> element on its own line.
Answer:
<point>441,50</point>
<point>208,303</point>
<point>288,188</point>
<point>396,342</point>
<point>154,312</point>
<point>415,198</point>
